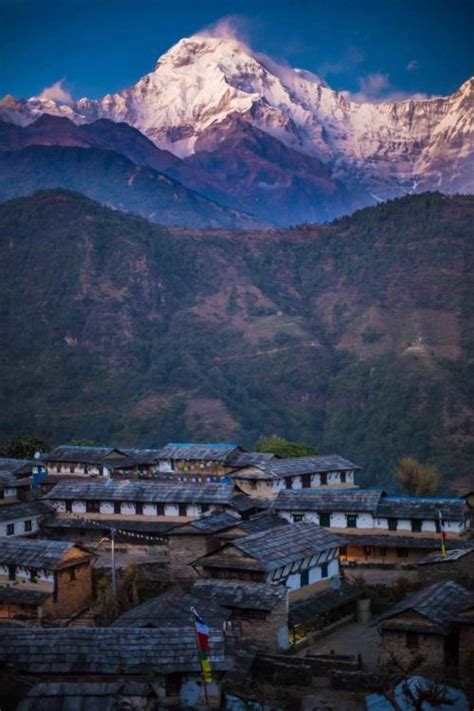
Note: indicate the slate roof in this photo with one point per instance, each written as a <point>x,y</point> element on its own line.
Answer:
<point>104,524</point>
<point>87,455</point>
<point>241,594</point>
<point>293,466</point>
<point>451,556</point>
<point>107,651</point>
<point>327,500</point>
<point>21,596</point>
<point>213,452</point>
<point>252,459</point>
<point>244,503</point>
<point>84,696</point>
<point>34,553</point>
<point>173,609</point>
<point>439,603</point>
<point>264,521</point>
<point>310,608</point>
<point>422,507</point>
<point>285,545</point>
<point>10,512</point>
<point>144,491</point>
<point>215,522</point>
<point>17,467</point>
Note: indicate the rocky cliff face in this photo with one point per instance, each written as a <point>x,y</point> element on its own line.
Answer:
<point>385,149</point>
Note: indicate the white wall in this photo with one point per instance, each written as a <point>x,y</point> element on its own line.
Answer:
<point>19,524</point>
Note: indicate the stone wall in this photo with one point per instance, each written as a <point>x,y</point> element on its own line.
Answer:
<point>461,571</point>
<point>267,630</point>
<point>430,650</point>
<point>74,592</point>
<point>184,550</point>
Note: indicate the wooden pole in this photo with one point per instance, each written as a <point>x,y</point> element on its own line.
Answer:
<point>202,670</point>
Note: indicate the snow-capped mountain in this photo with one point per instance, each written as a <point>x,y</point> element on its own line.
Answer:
<point>384,149</point>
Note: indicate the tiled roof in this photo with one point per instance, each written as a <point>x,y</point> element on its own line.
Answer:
<point>310,608</point>
<point>260,522</point>
<point>173,609</point>
<point>293,466</point>
<point>244,503</point>
<point>107,650</point>
<point>157,528</point>
<point>214,452</point>
<point>451,556</point>
<point>287,544</point>
<point>87,455</point>
<point>422,507</point>
<point>252,459</point>
<point>10,512</point>
<point>17,467</point>
<point>327,500</point>
<point>144,491</point>
<point>241,594</point>
<point>34,553</point>
<point>216,522</point>
<point>439,603</point>
<point>22,596</point>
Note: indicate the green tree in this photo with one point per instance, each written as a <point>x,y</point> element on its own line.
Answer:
<point>23,447</point>
<point>417,479</point>
<point>83,443</point>
<point>282,447</point>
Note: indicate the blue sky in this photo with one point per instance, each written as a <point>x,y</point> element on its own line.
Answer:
<point>373,48</point>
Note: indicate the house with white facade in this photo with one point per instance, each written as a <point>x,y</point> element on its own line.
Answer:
<point>15,479</point>
<point>268,478</point>
<point>303,557</point>
<point>22,518</point>
<point>138,500</point>
<point>378,528</point>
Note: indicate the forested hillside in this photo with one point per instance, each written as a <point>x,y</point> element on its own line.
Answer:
<point>356,336</point>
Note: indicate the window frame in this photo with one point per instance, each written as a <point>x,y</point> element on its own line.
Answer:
<point>326,516</point>
<point>10,529</point>
<point>28,525</point>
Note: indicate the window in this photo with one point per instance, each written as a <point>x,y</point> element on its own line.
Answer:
<point>324,519</point>
<point>288,483</point>
<point>10,529</point>
<point>28,526</point>
<point>33,575</point>
<point>323,479</point>
<point>298,517</point>
<point>438,525</point>
<point>351,521</point>
<point>139,508</point>
<point>93,506</point>
<point>392,524</point>
<point>367,551</point>
<point>68,506</point>
<point>402,552</point>
<point>71,468</point>
<point>72,573</point>
<point>383,552</point>
<point>204,508</point>
<point>160,509</point>
<point>304,578</point>
<point>58,468</point>
<point>324,570</point>
<point>416,525</point>
<point>183,510</point>
<point>253,485</point>
<point>413,640</point>
<point>12,572</point>
<point>343,477</point>
<point>2,494</point>
<point>306,481</point>
<point>117,507</point>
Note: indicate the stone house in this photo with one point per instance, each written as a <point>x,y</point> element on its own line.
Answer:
<point>199,462</point>
<point>69,460</point>
<point>303,557</point>
<point>15,479</point>
<point>165,659</point>
<point>457,565</point>
<point>138,500</point>
<point>43,579</point>
<point>23,518</point>
<point>268,478</point>
<point>371,510</point>
<point>422,627</point>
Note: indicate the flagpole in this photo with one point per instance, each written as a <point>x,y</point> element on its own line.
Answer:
<point>443,545</point>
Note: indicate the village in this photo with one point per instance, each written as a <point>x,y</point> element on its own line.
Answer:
<point>202,575</point>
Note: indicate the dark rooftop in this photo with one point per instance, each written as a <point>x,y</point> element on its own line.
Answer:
<point>293,466</point>
<point>86,455</point>
<point>16,467</point>
<point>34,553</point>
<point>422,507</point>
<point>350,500</point>
<point>22,596</point>
<point>107,651</point>
<point>439,603</point>
<point>241,594</point>
<point>243,503</point>
<point>157,528</point>
<point>86,696</point>
<point>173,609</point>
<point>22,509</point>
<point>310,608</point>
<point>264,521</point>
<point>287,544</point>
<point>209,524</point>
<point>451,556</point>
<point>144,491</point>
<point>213,452</point>
<point>252,459</point>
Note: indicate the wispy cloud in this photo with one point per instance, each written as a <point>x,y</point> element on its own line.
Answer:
<point>352,58</point>
<point>412,65</point>
<point>376,88</point>
<point>235,27</point>
<point>57,92</point>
